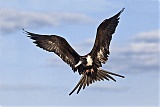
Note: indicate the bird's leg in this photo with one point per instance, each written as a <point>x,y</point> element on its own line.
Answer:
<point>89,70</point>
<point>92,70</point>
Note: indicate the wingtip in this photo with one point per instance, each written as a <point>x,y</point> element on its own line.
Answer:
<point>122,10</point>
<point>24,31</point>
<point>119,13</point>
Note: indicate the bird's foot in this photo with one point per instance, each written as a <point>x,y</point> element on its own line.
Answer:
<point>89,71</point>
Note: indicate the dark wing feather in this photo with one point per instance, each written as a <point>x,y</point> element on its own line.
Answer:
<point>103,38</point>
<point>57,45</point>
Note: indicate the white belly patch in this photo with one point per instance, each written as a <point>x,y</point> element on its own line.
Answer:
<point>89,60</point>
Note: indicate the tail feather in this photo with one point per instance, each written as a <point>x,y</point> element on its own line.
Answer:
<point>100,76</point>
<point>80,82</point>
<point>85,82</point>
<point>111,77</point>
<point>90,78</point>
<point>80,86</point>
<point>105,75</point>
<point>115,74</point>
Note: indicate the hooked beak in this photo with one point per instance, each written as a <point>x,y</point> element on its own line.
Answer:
<point>79,63</point>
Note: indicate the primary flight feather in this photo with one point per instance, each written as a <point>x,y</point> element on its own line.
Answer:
<point>89,66</point>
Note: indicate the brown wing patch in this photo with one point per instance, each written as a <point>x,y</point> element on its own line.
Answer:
<point>58,45</point>
<point>103,38</point>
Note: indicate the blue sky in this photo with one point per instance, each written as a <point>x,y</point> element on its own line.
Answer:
<point>30,76</point>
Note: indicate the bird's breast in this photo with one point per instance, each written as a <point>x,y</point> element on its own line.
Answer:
<point>89,60</point>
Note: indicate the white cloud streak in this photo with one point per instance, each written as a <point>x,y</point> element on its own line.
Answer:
<point>23,87</point>
<point>12,20</point>
<point>147,42</point>
<point>141,54</point>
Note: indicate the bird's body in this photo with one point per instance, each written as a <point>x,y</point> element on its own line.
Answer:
<point>89,66</point>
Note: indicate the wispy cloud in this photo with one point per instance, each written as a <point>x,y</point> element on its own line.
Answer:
<point>12,20</point>
<point>24,87</point>
<point>141,54</point>
<point>109,88</point>
<point>148,37</point>
<point>83,6</point>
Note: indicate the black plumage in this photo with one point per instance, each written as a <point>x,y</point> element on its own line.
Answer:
<point>88,65</point>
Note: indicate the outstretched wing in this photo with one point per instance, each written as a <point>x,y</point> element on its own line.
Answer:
<point>103,38</point>
<point>88,79</point>
<point>58,45</point>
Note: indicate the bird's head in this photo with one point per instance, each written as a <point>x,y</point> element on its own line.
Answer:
<point>82,61</point>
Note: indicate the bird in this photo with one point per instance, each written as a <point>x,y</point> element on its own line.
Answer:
<point>89,65</point>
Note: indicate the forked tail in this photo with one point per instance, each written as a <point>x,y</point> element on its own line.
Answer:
<point>87,79</point>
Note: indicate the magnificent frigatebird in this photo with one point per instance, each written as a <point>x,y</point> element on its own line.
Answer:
<point>89,66</point>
